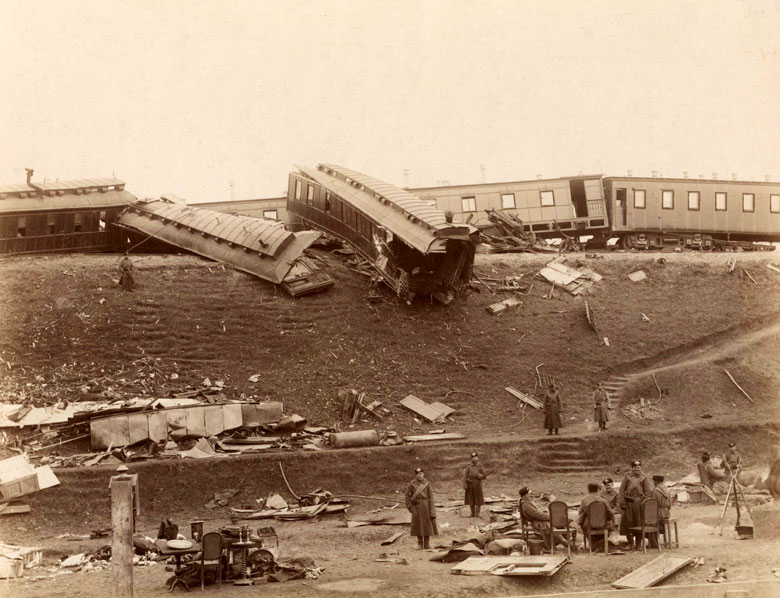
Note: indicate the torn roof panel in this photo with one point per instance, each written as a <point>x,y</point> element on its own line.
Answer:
<point>254,245</point>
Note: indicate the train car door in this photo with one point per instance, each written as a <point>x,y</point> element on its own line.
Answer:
<point>620,201</point>
<point>578,199</point>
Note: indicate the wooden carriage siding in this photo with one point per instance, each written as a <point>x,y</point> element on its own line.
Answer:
<point>64,216</point>
<point>271,208</point>
<point>737,210</point>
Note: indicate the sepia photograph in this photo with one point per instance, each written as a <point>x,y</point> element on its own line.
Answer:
<point>430,298</point>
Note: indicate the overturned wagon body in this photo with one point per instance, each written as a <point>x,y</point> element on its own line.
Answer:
<point>410,243</point>
<point>60,217</point>
<point>254,245</point>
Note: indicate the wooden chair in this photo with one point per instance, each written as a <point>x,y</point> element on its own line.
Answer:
<point>526,529</point>
<point>212,551</point>
<point>597,525</point>
<point>648,522</point>
<point>559,522</point>
<point>666,530</point>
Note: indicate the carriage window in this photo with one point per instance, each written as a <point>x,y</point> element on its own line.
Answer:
<point>507,201</point>
<point>21,226</point>
<point>468,204</point>
<point>50,222</point>
<point>774,204</point>
<point>720,201</point>
<point>548,198</point>
<point>639,199</point>
<point>748,202</point>
<point>327,201</point>
<point>102,221</point>
<point>77,223</point>
<point>693,200</point>
<point>310,195</point>
<point>667,200</point>
<point>272,214</point>
<point>298,189</point>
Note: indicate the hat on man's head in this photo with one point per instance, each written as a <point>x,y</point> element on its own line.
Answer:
<point>658,478</point>
<point>418,470</point>
<point>732,445</point>
<point>705,455</point>
<point>474,455</point>
<point>524,490</point>
<point>607,481</point>
<point>636,463</point>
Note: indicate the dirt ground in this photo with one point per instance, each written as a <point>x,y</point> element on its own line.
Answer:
<point>67,332</point>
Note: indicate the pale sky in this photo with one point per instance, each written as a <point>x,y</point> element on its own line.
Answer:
<point>184,97</point>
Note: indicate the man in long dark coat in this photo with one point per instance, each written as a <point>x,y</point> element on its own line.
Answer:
<point>552,409</point>
<point>636,487</point>
<point>601,407</point>
<point>472,484</point>
<point>419,501</point>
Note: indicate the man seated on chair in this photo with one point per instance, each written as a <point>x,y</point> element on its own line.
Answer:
<point>711,477</point>
<point>539,519</point>
<point>663,496</point>
<point>583,520</point>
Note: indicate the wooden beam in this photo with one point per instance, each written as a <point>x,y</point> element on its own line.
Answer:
<point>739,387</point>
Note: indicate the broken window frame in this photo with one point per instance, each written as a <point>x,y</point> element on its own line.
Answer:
<point>547,198</point>
<point>267,214</point>
<point>752,202</point>
<point>667,193</point>
<point>774,203</point>
<point>725,197</point>
<point>694,206</point>
<point>468,203</point>
<point>508,205</point>
<point>640,204</point>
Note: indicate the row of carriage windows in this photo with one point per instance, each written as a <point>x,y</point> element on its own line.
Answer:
<point>338,209</point>
<point>694,201</point>
<point>35,225</point>
<point>468,203</point>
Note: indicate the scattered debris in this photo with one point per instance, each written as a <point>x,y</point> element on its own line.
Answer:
<point>545,566</point>
<point>590,315</point>
<point>573,280</point>
<point>644,317</point>
<point>501,306</point>
<point>510,234</point>
<point>773,268</point>
<point>392,539</point>
<point>637,275</point>
<point>428,437</point>
<point>718,576</point>
<point>742,390</point>
<point>643,411</point>
<point>526,399</point>
<point>15,559</point>
<point>354,438</point>
<point>432,413</point>
<point>749,276</point>
<point>19,478</point>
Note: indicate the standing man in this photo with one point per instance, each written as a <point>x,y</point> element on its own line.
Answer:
<point>126,273</point>
<point>419,501</point>
<point>663,496</point>
<point>601,407</point>
<point>552,409</point>
<point>732,458</point>
<point>583,520</point>
<point>634,488</point>
<point>710,476</point>
<point>472,484</point>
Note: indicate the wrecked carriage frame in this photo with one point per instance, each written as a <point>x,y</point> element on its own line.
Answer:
<point>411,245</point>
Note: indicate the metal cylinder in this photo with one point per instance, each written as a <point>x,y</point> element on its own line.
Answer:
<point>357,438</point>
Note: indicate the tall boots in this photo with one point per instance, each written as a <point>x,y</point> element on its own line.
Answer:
<point>422,542</point>
<point>426,544</point>
<point>473,510</point>
<point>477,511</point>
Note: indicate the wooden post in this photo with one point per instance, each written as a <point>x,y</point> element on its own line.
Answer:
<point>122,536</point>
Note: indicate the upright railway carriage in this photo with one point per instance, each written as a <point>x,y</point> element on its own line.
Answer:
<point>650,213</point>
<point>412,245</point>
<point>574,205</point>
<point>61,217</point>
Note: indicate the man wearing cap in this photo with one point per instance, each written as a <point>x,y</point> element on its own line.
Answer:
<point>552,409</point>
<point>472,484</point>
<point>126,278</point>
<point>732,458</point>
<point>601,407</point>
<point>538,519</point>
<point>419,501</point>
<point>710,476</point>
<point>583,519</point>
<point>634,488</point>
<point>610,495</point>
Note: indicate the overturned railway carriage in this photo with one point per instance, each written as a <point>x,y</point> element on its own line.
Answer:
<point>410,243</point>
<point>652,213</point>
<point>65,216</point>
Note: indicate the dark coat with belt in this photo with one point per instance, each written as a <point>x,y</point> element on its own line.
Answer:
<point>633,490</point>
<point>600,406</point>
<point>552,410</point>
<point>419,501</point>
<point>473,485</point>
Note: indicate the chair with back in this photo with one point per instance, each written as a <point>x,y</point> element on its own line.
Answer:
<point>212,551</point>
<point>597,525</point>
<point>648,522</point>
<point>559,522</point>
<point>526,529</point>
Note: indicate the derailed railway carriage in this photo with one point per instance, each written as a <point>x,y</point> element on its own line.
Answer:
<point>412,245</point>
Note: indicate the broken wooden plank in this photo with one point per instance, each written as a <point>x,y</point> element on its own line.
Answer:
<point>749,276</point>
<point>771,267</point>
<point>509,565</point>
<point>392,539</point>
<point>637,275</point>
<point>739,387</point>
<point>445,410</point>
<point>428,437</point>
<point>497,308</point>
<point>421,408</point>
<point>14,508</point>
<point>524,397</point>
<point>650,574</point>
